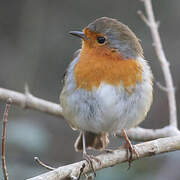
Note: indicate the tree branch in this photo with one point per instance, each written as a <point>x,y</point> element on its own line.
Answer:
<point>141,134</point>
<point>153,25</point>
<point>27,100</point>
<point>146,149</point>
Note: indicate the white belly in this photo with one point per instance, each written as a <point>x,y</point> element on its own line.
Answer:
<point>106,108</point>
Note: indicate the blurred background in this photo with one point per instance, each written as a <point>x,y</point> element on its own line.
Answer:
<point>35,48</point>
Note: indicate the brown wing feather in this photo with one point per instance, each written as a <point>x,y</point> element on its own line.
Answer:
<point>93,141</point>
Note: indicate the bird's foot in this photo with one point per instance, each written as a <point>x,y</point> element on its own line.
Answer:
<point>130,149</point>
<point>89,159</point>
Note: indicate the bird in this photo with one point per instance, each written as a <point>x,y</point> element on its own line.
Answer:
<point>107,88</point>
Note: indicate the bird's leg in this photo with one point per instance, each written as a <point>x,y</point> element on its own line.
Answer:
<point>87,157</point>
<point>130,148</point>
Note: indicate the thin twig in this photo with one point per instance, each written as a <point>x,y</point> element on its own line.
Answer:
<point>43,164</point>
<point>143,17</point>
<point>3,139</point>
<point>153,25</point>
<point>160,86</point>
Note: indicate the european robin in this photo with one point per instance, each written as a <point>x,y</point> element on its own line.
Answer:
<point>108,85</point>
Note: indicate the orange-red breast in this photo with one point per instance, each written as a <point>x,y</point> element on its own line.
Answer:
<point>108,85</point>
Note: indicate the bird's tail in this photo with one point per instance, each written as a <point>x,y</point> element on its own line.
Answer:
<point>93,141</point>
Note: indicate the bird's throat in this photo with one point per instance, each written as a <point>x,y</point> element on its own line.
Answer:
<point>97,65</point>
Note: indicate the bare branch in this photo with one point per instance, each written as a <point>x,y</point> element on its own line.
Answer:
<point>3,139</point>
<point>153,25</point>
<point>141,134</point>
<point>27,100</point>
<point>160,86</point>
<point>110,159</point>
<point>43,164</point>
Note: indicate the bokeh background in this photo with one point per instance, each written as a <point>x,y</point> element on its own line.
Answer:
<point>35,48</point>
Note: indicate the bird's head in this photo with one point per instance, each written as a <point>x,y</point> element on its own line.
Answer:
<point>107,36</point>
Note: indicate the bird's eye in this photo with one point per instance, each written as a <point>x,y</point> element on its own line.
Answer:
<point>101,40</point>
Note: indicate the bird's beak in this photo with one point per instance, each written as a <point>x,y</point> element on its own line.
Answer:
<point>78,34</point>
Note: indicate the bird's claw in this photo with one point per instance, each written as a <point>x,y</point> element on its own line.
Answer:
<point>89,159</point>
<point>130,148</point>
<point>130,151</point>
